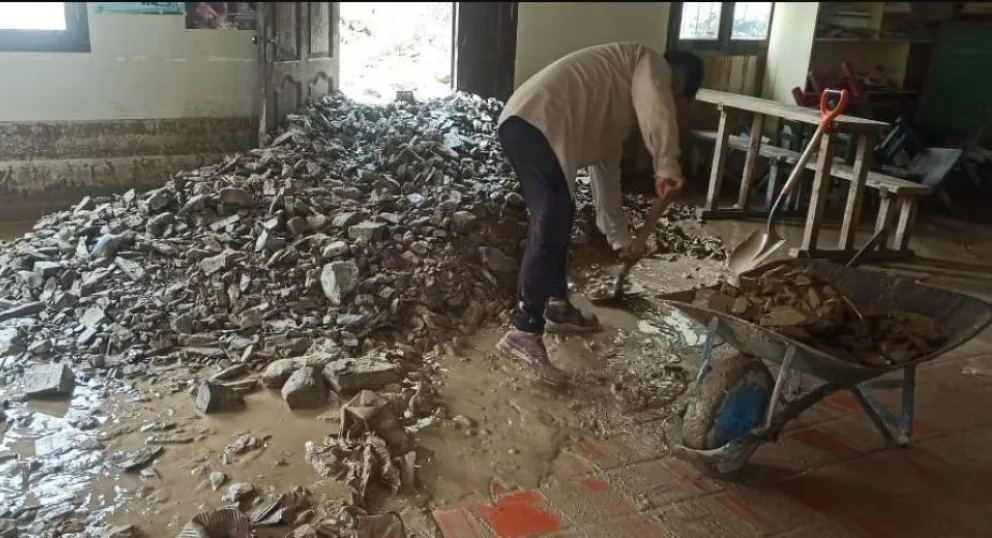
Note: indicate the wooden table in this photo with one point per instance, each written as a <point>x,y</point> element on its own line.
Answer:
<point>865,130</point>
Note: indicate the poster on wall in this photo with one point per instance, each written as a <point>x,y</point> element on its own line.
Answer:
<point>141,8</point>
<point>220,15</point>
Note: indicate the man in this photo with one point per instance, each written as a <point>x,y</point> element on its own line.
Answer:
<point>577,112</point>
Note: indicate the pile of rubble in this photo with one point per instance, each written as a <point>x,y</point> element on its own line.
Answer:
<point>332,259</point>
<point>797,302</point>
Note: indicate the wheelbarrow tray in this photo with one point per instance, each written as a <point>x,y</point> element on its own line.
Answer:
<point>959,316</point>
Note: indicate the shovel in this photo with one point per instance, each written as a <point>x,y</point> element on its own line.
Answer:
<point>759,246</point>
<point>616,293</point>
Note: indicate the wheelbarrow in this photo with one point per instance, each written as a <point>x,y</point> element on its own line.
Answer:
<point>735,406</point>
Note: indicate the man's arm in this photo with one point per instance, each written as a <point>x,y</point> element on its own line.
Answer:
<point>606,194</point>
<point>654,105</point>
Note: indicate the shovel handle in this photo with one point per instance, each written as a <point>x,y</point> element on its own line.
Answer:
<point>827,117</point>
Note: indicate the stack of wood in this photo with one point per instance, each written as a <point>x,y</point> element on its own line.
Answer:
<point>799,304</point>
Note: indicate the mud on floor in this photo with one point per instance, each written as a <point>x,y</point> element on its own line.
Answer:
<point>61,463</point>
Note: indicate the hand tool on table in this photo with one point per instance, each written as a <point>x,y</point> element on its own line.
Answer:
<point>754,250</point>
<point>616,293</point>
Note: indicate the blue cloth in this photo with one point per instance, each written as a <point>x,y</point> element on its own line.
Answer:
<point>743,410</point>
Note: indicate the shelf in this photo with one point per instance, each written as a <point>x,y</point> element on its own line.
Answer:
<point>887,40</point>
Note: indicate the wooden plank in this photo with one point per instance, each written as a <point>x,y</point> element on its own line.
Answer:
<point>818,197</point>
<point>751,161</point>
<point>904,228</point>
<point>719,162</point>
<point>843,256</point>
<point>843,123</point>
<point>884,217</point>
<point>855,192</point>
<point>840,170</point>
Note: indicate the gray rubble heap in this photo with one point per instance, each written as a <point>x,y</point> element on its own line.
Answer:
<point>357,225</point>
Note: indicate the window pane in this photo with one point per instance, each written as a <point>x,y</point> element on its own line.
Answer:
<point>32,16</point>
<point>700,20</point>
<point>751,21</point>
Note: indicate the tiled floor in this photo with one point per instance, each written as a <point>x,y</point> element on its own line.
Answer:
<point>830,474</point>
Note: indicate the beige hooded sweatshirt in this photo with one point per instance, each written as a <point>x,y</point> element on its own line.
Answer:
<point>587,103</point>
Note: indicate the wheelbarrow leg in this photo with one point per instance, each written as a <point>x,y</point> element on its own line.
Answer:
<point>897,430</point>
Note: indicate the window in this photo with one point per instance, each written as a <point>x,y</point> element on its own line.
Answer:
<point>734,27</point>
<point>44,27</point>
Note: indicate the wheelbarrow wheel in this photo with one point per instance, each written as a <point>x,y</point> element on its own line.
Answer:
<point>728,402</point>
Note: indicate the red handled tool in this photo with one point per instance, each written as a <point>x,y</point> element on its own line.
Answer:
<point>759,246</point>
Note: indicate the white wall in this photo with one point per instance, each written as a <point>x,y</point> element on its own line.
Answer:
<point>790,42</point>
<point>140,67</point>
<point>547,31</point>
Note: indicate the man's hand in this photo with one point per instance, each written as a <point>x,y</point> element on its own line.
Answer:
<point>668,187</point>
<point>633,251</point>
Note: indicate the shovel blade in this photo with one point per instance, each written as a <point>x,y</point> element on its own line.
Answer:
<point>753,251</point>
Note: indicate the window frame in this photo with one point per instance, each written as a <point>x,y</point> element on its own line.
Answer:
<point>723,42</point>
<point>75,37</point>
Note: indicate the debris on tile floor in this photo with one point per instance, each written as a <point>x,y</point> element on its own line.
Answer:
<point>337,265</point>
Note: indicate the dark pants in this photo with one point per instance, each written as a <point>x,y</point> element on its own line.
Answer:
<point>542,273</point>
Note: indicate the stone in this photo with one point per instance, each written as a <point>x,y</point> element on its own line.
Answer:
<point>214,264</point>
<point>367,231</point>
<point>123,531</point>
<point>217,479</point>
<point>93,317</point>
<point>496,260</point>
<point>345,219</point>
<point>297,226</point>
<point>49,380</point>
<point>338,280</point>
<point>238,492</point>
<point>278,371</point>
<point>47,269</point>
<point>216,398</point>
<point>347,376</point>
<point>337,249</point>
<point>237,197</point>
<point>464,221</point>
<point>22,311</point>
<point>305,389</point>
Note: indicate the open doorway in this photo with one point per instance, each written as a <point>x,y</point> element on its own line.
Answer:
<point>392,46</point>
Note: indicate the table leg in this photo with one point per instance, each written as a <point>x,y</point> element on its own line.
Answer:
<point>884,215</point>
<point>855,192</point>
<point>751,161</point>
<point>818,196</point>
<point>719,162</point>
<point>904,228</point>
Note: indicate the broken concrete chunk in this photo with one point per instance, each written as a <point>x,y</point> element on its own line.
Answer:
<point>217,479</point>
<point>278,371</point>
<point>237,197</point>
<point>240,491</point>
<point>337,249</point>
<point>347,376</point>
<point>22,311</point>
<point>346,219</point>
<point>338,280</point>
<point>497,261</point>
<point>305,389</point>
<point>49,380</point>
<point>367,231</point>
<point>215,398</point>
<point>214,264</point>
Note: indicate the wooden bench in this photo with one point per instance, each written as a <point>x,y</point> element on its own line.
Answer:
<point>892,190</point>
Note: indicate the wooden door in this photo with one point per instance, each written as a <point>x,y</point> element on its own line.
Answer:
<point>485,47</point>
<point>298,57</point>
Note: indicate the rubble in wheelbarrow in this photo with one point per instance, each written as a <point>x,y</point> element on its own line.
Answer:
<point>798,303</point>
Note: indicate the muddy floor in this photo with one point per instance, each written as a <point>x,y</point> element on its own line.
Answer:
<point>61,460</point>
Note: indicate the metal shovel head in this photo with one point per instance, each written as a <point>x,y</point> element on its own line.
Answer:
<point>753,251</point>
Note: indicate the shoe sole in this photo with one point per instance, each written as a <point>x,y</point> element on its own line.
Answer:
<point>524,365</point>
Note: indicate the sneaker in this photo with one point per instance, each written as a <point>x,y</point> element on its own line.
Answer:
<point>527,350</point>
<point>562,317</point>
